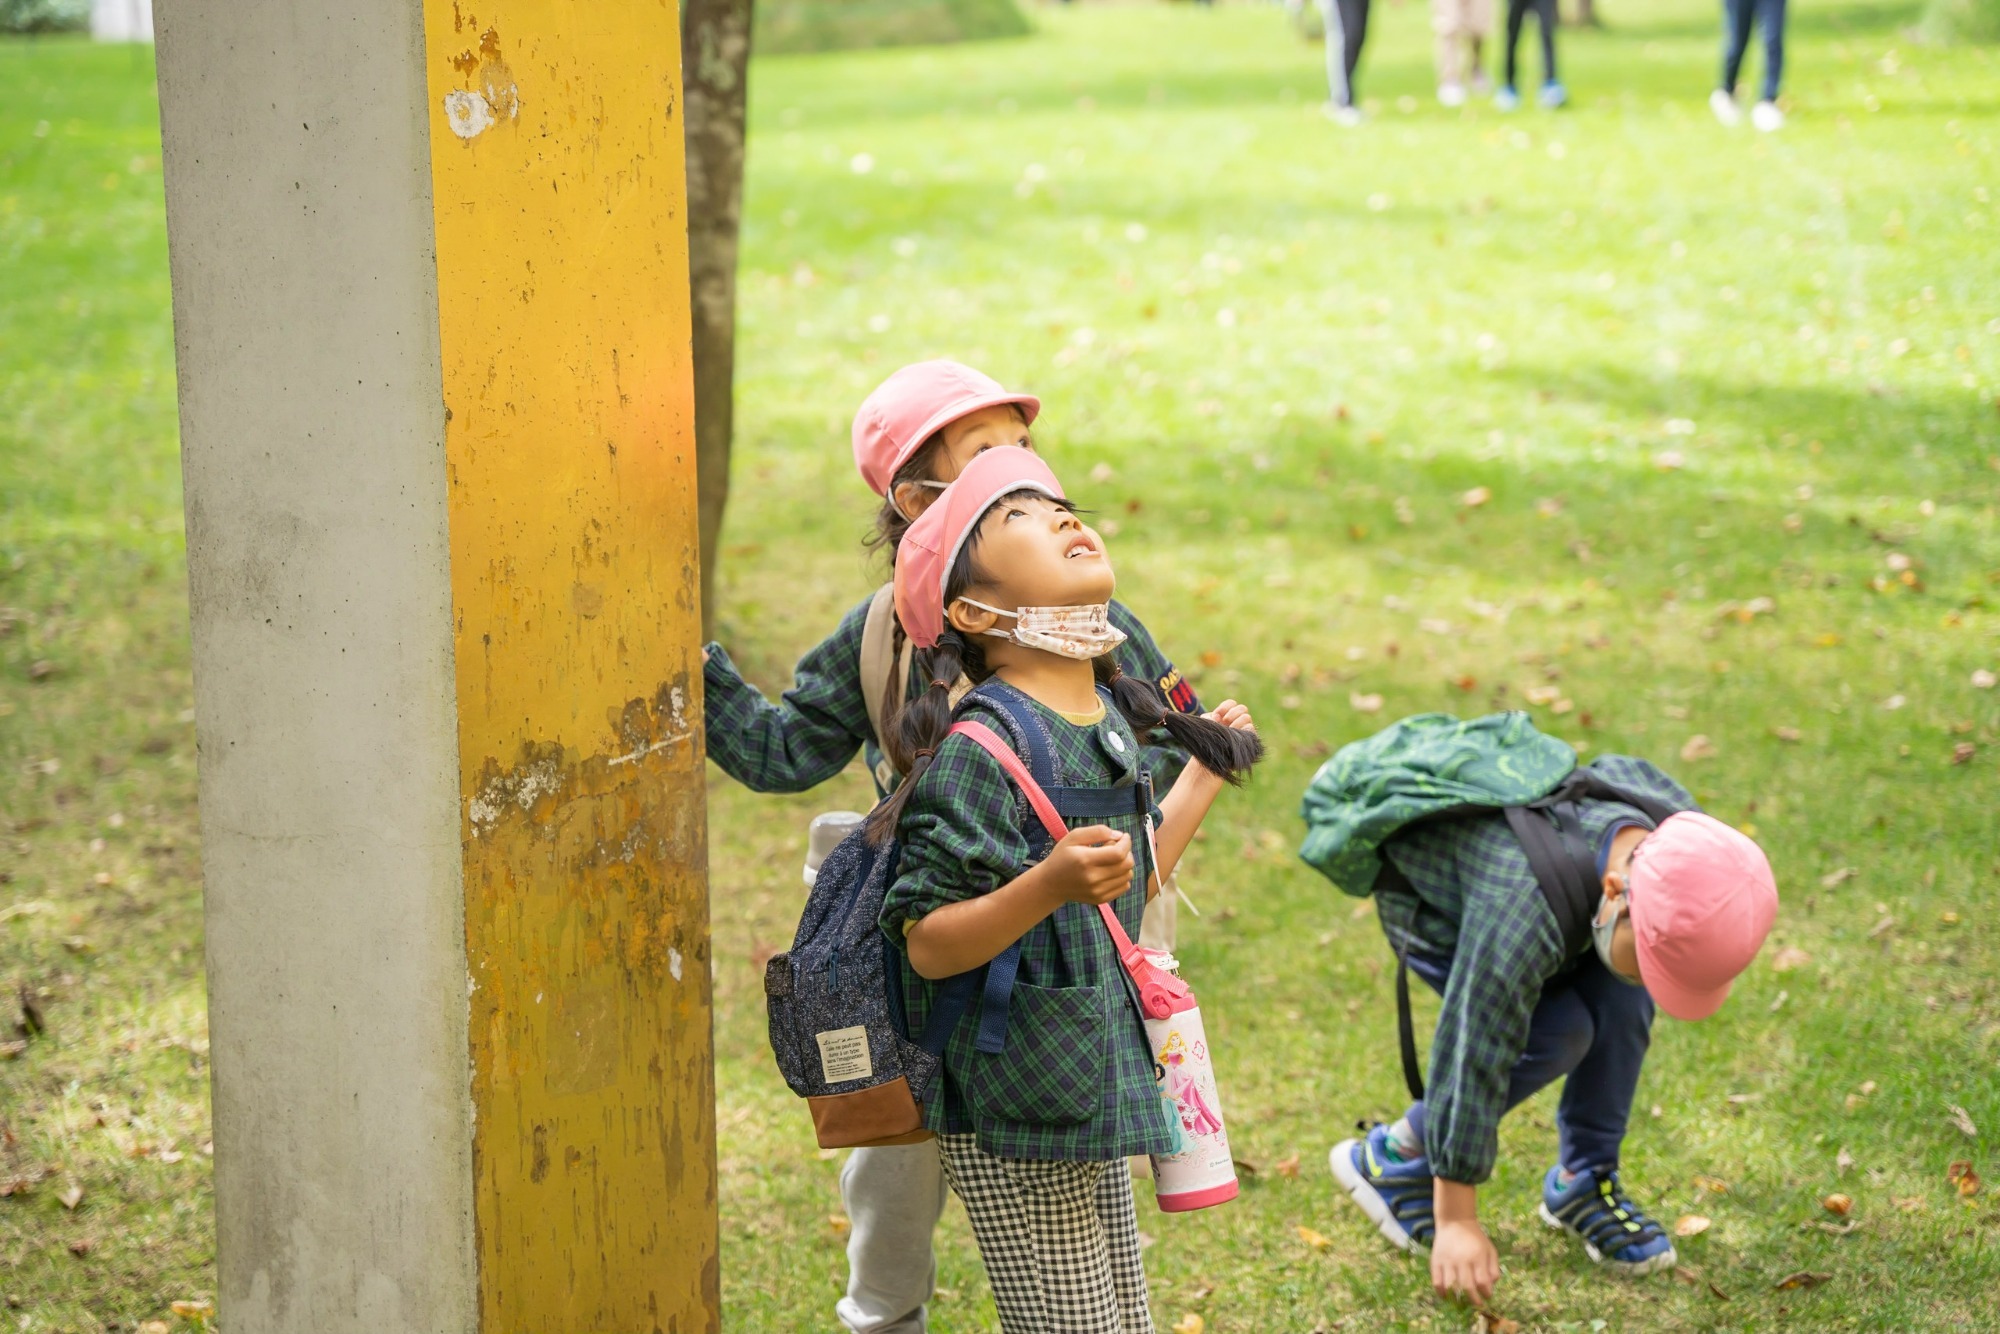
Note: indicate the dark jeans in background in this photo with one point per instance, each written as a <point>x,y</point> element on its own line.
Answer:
<point>1589,1026</point>
<point>1736,19</point>
<point>1546,19</point>
<point>1346,30</point>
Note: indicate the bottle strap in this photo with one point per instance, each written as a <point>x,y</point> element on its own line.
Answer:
<point>1160,992</point>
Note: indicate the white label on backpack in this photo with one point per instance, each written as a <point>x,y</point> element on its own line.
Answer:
<point>843,1054</point>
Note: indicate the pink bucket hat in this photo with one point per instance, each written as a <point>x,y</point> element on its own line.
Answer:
<point>915,403</point>
<point>1703,899</point>
<point>928,550</point>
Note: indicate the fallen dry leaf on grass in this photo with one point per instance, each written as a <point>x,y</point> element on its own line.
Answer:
<point>1190,1324</point>
<point>82,1246</point>
<point>194,1310</point>
<point>1691,1225</point>
<point>1963,752</point>
<point>1842,1205</point>
<point>1698,747</point>
<point>1984,680</point>
<point>839,1223</point>
<point>1787,734</point>
<point>1831,1229</point>
<point>1712,1185</point>
<point>1843,1162</point>
<point>1788,958</point>
<point>1490,1322</point>
<point>1834,879</point>
<point>1365,703</point>
<point>1476,497</point>
<point>71,1198</point>
<point>155,1327</point>
<point>1319,1241</point>
<point>1805,1278</point>
<point>1961,1175</point>
<point>1288,1168</point>
<point>1962,1121</point>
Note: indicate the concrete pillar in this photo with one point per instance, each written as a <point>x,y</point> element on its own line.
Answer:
<point>430,304</point>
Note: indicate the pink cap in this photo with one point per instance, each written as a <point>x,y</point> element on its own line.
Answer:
<point>1703,899</point>
<point>915,403</point>
<point>925,556</point>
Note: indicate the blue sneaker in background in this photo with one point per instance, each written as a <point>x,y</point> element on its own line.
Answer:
<point>1554,95</point>
<point>1613,1230</point>
<point>1397,1195</point>
<point>1507,99</point>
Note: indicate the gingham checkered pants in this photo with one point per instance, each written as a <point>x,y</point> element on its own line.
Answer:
<point>1060,1240</point>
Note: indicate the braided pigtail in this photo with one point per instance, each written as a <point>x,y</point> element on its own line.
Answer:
<point>916,732</point>
<point>1223,751</point>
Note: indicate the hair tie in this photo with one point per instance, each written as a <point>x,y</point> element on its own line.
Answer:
<point>923,754</point>
<point>940,685</point>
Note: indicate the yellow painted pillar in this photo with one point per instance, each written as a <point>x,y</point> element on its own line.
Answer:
<point>430,282</point>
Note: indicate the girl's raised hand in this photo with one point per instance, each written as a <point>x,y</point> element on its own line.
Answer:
<point>1232,715</point>
<point>1091,865</point>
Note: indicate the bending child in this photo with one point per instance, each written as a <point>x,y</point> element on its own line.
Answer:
<point>1001,581</point>
<point>912,437</point>
<point>1682,906</point>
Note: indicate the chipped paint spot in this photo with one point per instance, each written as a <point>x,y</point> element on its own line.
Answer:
<point>674,963</point>
<point>468,113</point>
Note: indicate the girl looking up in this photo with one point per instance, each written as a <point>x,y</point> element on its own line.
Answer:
<point>1001,581</point>
<point>912,437</point>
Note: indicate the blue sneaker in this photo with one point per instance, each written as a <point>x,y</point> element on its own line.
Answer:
<point>1507,99</point>
<point>1553,95</point>
<point>1396,1195</point>
<point>1613,1230</point>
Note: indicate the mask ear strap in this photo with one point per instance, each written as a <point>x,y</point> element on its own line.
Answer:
<point>975,602</point>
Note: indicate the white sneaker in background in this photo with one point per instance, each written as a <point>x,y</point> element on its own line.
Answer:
<point>1451,94</point>
<point>1348,116</point>
<point>1725,108</point>
<point>1767,117</point>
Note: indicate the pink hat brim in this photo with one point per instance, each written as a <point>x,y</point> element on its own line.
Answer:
<point>1687,1004</point>
<point>944,417</point>
<point>931,545</point>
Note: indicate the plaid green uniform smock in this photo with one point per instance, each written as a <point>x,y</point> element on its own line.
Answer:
<point>1476,906</point>
<point>814,730</point>
<point>964,834</point>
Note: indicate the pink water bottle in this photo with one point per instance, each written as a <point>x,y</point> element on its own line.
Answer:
<point>1202,1172</point>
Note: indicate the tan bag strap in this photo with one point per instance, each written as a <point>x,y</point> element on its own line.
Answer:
<point>878,659</point>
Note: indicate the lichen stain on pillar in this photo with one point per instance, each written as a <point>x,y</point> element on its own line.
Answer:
<point>563,319</point>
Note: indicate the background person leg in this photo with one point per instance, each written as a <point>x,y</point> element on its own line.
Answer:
<point>894,1196</point>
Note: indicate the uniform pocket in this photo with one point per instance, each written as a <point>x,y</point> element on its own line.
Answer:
<point>1054,1066</point>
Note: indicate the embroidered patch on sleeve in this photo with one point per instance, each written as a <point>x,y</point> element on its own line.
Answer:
<point>1178,692</point>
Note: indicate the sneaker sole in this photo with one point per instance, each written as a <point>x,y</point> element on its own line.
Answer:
<point>1666,1259</point>
<point>1341,1159</point>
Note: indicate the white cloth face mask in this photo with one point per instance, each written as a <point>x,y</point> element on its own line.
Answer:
<point>1082,633</point>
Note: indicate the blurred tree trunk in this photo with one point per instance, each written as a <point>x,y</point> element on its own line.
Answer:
<point>715,69</point>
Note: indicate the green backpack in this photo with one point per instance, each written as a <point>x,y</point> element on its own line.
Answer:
<point>1433,766</point>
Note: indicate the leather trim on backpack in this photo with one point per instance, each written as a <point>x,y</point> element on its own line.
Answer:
<point>868,1118</point>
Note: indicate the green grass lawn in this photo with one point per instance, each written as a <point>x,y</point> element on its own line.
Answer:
<point>1690,370</point>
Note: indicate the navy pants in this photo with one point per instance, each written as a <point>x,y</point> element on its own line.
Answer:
<point>1736,19</point>
<point>1590,1027</point>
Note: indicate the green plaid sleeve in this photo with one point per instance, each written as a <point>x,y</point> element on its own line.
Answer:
<point>961,835</point>
<point>1507,948</point>
<point>805,738</point>
<point>1140,656</point>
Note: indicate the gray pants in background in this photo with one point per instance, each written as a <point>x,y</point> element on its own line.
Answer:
<point>894,1197</point>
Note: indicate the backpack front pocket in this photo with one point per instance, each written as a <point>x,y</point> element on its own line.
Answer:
<point>1053,1068</point>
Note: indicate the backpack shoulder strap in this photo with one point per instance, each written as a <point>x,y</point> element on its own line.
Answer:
<point>878,660</point>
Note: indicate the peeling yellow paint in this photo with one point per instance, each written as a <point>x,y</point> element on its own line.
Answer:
<point>563,306</point>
